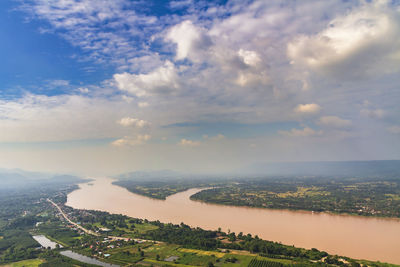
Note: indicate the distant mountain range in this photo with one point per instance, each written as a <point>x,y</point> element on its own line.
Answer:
<point>11,178</point>
<point>328,168</point>
<point>377,168</point>
<point>149,175</point>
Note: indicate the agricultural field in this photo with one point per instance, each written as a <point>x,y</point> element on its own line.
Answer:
<point>25,263</point>
<point>264,263</point>
<point>127,241</point>
<point>358,196</point>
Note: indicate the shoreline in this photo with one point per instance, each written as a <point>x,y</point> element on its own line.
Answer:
<point>270,224</point>
<point>259,207</point>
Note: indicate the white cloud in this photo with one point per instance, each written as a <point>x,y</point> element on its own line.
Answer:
<point>395,129</point>
<point>106,30</point>
<point>250,78</point>
<point>308,108</point>
<point>58,83</point>
<point>306,131</point>
<point>40,118</point>
<point>334,121</point>
<point>228,66</point>
<point>127,99</point>
<point>164,79</point>
<point>84,90</point>
<point>250,58</point>
<point>128,121</point>
<point>190,40</point>
<point>191,143</point>
<point>362,42</point>
<point>132,141</point>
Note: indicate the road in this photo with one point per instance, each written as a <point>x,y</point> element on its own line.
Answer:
<point>90,232</point>
<point>71,222</point>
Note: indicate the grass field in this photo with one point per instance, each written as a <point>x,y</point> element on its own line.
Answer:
<point>143,228</point>
<point>163,263</point>
<point>202,252</point>
<point>186,256</point>
<point>25,263</point>
<point>304,192</point>
<point>138,228</point>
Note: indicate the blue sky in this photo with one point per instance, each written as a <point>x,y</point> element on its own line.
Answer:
<point>31,59</point>
<point>197,86</point>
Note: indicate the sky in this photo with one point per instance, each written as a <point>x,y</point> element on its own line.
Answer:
<point>100,87</point>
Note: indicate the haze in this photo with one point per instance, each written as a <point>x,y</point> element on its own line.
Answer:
<point>106,87</point>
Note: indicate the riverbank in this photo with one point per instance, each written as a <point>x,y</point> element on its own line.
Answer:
<point>370,197</point>
<point>366,238</point>
<point>211,246</point>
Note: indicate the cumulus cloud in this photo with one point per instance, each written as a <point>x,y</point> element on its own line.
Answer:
<point>128,121</point>
<point>334,122</point>
<point>40,118</point>
<point>83,90</point>
<point>365,41</point>
<point>132,141</point>
<point>228,65</point>
<point>306,131</point>
<point>127,99</point>
<point>191,40</point>
<point>190,143</point>
<point>250,78</point>
<point>162,80</point>
<point>308,108</point>
<point>250,58</point>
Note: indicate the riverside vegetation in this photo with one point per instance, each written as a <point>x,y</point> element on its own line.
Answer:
<point>361,196</point>
<point>367,196</point>
<point>130,241</point>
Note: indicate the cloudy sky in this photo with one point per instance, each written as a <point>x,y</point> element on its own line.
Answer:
<point>102,87</point>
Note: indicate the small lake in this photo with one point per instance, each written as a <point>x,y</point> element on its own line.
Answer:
<point>85,259</point>
<point>346,235</point>
<point>45,242</point>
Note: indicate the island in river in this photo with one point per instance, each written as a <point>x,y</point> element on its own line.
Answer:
<point>366,196</point>
<point>353,236</point>
<point>87,237</point>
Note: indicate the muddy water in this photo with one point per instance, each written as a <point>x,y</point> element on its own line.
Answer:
<point>352,236</point>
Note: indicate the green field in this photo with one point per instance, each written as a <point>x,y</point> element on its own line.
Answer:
<point>25,263</point>
<point>357,196</point>
<point>154,243</point>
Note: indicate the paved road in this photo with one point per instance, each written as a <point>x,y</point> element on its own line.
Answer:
<point>115,238</point>
<point>71,222</point>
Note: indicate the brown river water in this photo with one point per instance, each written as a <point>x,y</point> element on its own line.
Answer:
<point>346,235</point>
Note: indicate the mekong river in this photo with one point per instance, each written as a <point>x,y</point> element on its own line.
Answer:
<point>352,236</point>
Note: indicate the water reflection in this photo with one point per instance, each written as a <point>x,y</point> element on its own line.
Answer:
<point>85,259</point>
